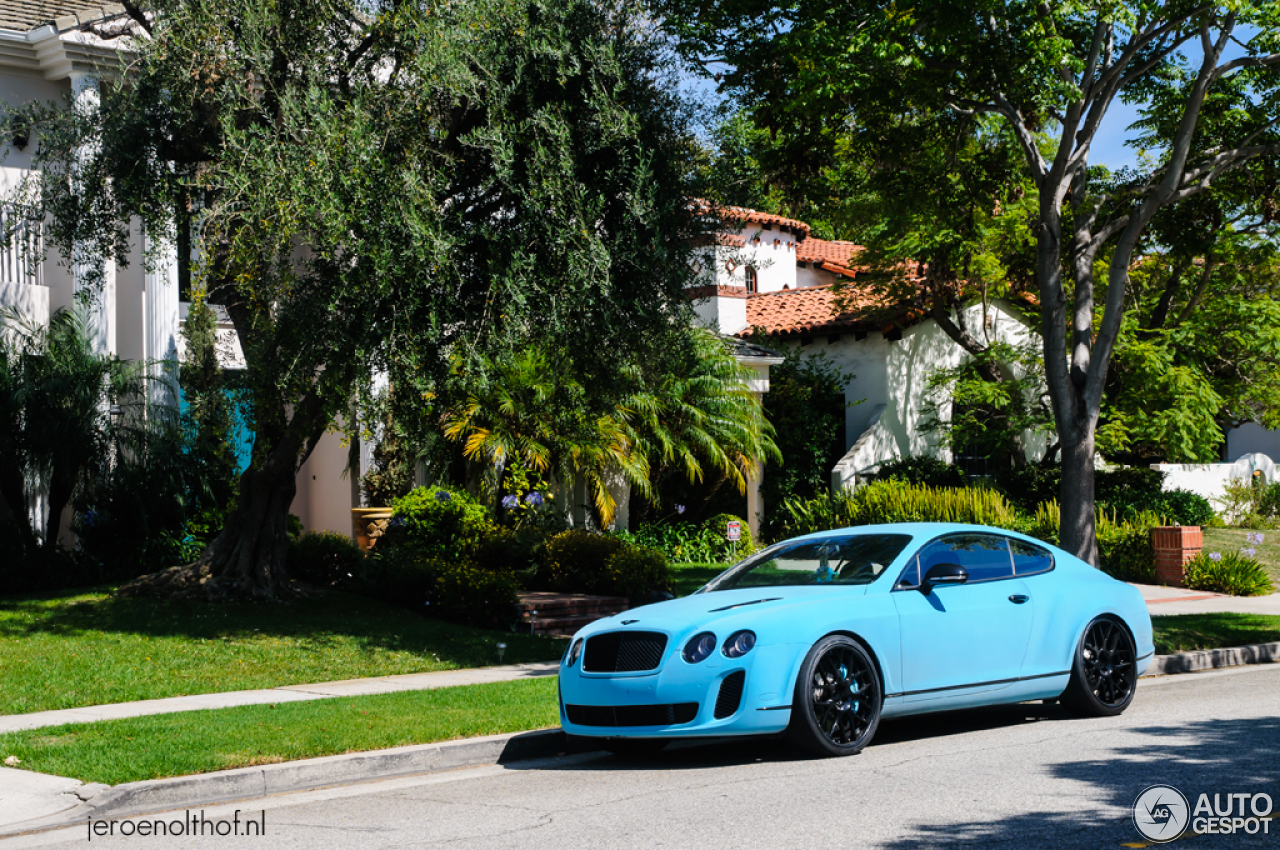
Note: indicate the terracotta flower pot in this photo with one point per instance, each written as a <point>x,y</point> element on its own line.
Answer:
<point>368,524</point>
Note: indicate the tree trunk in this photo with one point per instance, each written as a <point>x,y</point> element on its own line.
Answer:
<point>247,558</point>
<point>1077,533</point>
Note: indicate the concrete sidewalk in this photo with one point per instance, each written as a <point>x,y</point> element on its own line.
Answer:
<point>287,693</point>
<point>1180,600</point>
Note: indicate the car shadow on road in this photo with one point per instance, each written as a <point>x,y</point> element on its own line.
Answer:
<point>1210,756</point>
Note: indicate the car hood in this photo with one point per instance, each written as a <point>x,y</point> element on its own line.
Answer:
<point>723,611</point>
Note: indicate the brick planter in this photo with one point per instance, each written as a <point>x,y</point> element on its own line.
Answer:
<point>1175,545</point>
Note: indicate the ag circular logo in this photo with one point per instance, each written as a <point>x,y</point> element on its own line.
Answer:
<point>1161,813</point>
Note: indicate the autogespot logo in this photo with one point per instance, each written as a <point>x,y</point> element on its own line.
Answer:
<point>1160,813</point>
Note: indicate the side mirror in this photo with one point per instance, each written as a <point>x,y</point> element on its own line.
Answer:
<point>943,574</point>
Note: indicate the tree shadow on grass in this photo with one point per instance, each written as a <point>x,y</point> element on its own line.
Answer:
<point>312,625</point>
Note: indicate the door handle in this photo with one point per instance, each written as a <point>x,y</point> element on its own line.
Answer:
<point>1018,598</point>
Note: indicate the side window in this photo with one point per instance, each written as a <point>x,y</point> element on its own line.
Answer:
<point>985,556</point>
<point>910,575</point>
<point>1029,559</point>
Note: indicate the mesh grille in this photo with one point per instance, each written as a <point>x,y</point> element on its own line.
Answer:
<point>730,696</point>
<point>670,714</point>
<point>624,652</point>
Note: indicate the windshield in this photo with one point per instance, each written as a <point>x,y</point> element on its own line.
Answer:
<point>838,559</point>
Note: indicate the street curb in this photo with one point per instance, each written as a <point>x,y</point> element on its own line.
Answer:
<point>1212,659</point>
<point>157,795</point>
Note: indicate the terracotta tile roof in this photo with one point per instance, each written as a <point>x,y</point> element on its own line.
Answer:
<point>835,251</point>
<point>743,214</point>
<point>25,15</point>
<point>812,309</point>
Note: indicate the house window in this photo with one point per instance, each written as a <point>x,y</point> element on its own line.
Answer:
<point>752,280</point>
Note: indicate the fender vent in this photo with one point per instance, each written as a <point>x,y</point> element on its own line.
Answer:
<point>671,714</point>
<point>624,652</point>
<point>730,696</point>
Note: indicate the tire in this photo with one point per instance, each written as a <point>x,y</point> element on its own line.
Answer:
<point>635,747</point>
<point>836,706</point>
<point>1104,673</point>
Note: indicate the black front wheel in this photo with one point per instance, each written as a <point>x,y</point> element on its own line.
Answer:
<point>1105,672</point>
<point>836,706</point>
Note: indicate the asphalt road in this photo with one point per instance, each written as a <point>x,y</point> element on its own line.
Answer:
<point>1019,776</point>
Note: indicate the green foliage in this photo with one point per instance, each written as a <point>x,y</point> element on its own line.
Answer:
<point>1234,573</point>
<point>1124,545</point>
<point>806,407</point>
<point>438,522</point>
<point>635,572</point>
<point>898,501</point>
<point>209,416</point>
<point>922,469</point>
<point>516,551</point>
<point>1126,492</point>
<point>687,412</point>
<point>465,593</point>
<point>324,558</point>
<point>575,560</point>
<point>1250,504</point>
<point>684,542</point>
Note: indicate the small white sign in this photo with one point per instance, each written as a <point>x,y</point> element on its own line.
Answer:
<point>734,530</point>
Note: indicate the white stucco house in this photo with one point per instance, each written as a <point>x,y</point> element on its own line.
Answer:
<point>767,273</point>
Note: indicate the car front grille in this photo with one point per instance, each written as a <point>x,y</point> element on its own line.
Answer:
<point>624,652</point>
<point>669,714</point>
<point>730,696</point>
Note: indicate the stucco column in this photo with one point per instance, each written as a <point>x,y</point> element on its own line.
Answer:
<point>94,281</point>
<point>160,317</point>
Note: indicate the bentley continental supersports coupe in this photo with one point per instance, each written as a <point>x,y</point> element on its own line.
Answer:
<point>822,636</point>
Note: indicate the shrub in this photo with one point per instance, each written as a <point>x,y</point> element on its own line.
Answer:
<point>715,531</point>
<point>636,571</point>
<point>464,593</point>
<point>898,501</point>
<point>438,521</point>
<point>1124,545</point>
<point>1030,486</point>
<point>922,470</point>
<point>401,576</point>
<point>678,541</point>
<point>1228,572</point>
<point>325,558</point>
<point>574,560</point>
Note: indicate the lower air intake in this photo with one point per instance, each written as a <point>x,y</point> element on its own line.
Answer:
<point>730,696</point>
<point>670,714</point>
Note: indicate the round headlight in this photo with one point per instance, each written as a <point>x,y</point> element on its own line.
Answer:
<point>574,652</point>
<point>739,644</point>
<point>699,647</point>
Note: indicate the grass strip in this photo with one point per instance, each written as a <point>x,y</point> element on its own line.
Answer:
<point>686,578</point>
<point>162,745</point>
<point>1185,632</point>
<point>88,648</point>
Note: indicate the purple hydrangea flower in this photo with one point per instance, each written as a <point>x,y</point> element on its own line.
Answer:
<point>534,498</point>
<point>679,509</point>
<point>1215,556</point>
<point>444,496</point>
<point>90,518</point>
<point>510,501</point>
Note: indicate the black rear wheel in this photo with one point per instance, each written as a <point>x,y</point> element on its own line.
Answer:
<point>1105,672</point>
<point>836,706</point>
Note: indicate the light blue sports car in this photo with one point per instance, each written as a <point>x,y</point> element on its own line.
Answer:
<point>821,636</point>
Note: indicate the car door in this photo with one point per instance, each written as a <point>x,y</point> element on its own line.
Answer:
<point>966,638</point>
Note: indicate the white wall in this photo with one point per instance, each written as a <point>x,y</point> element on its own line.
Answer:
<point>1209,479</point>
<point>325,497</point>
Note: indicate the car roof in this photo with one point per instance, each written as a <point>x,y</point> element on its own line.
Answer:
<point>924,531</point>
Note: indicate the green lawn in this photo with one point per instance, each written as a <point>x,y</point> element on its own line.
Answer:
<point>1183,632</point>
<point>1266,553</point>
<point>115,751</point>
<point>87,648</point>
<point>690,577</point>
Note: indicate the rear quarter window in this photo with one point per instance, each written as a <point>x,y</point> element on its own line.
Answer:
<point>1029,559</point>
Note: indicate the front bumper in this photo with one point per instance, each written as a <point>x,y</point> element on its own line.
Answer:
<point>764,707</point>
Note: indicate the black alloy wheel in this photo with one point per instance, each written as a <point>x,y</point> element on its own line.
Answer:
<point>836,707</point>
<point>1105,672</point>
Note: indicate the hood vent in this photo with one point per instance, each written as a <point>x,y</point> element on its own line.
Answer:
<point>744,604</point>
